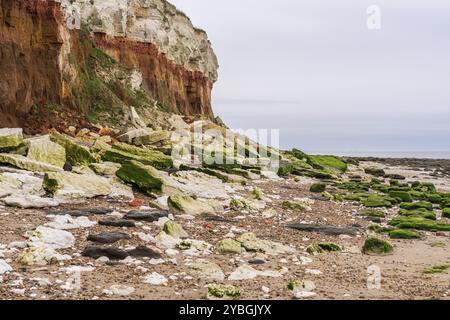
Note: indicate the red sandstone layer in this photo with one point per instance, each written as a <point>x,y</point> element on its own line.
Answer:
<point>184,91</point>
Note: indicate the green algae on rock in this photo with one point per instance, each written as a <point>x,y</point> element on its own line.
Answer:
<point>318,188</point>
<point>229,246</point>
<point>221,291</point>
<point>375,172</point>
<point>72,186</point>
<point>76,152</point>
<point>121,152</point>
<point>323,247</point>
<point>377,246</point>
<point>174,230</point>
<point>10,138</point>
<point>146,178</point>
<point>402,195</point>
<point>404,234</point>
<point>188,205</point>
<point>25,163</point>
<point>419,223</point>
<point>42,149</point>
<point>417,205</point>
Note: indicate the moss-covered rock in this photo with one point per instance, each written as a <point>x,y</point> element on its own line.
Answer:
<point>404,234</point>
<point>424,213</point>
<point>446,213</point>
<point>373,214</point>
<point>146,178</point>
<point>71,186</point>
<point>10,138</point>
<point>221,291</point>
<point>24,163</point>
<point>323,247</point>
<point>174,230</point>
<point>318,187</point>
<point>76,152</point>
<point>229,246</point>
<point>441,268</point>
<point>378,201</point>
<point>377,246</point>
<point>42,149</point>
<point>401,195</point>
<point>375,172</point>
<point>417,205</point>
<point>105,168</point>
<point>328,163</point>
<point>187,205</point>
<point>419,223</point>
<point>301,285</point>
<point>257,194</point>
<point>299,205</point>
<point>395,176</point>
<point>121,153</point>
<point>433,198</point>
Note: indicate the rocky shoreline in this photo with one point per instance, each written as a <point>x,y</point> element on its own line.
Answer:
<point>85,216</point>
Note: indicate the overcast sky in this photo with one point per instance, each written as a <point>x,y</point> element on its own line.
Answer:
<point>314,70</point>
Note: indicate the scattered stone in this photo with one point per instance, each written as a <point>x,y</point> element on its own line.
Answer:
<point>186,205</point>
<point>108,237</point>
<point>246,272</point>
<point>67,223</point>
<point>174,230</point>
<point>121,290</point>
<point>51,238</point>
<point>257,261</point>
<point>251,243</point>
<point>41,256</point>
<point>327,230</point>
<point>4,267</point>
<point>110,252</point>
<point>206,270</point>
<point>29,201</point>
<point>298,205</point>
<point>156,279</point>
<point>229,246</point>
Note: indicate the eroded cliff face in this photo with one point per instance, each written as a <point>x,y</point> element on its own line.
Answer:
<point>31,41</point>
<point>158,58</point>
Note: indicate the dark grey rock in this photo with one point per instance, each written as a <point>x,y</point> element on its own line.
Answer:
<point>144,252</point>
<point>257,261</point>
<point>108,237</point>
<point>149,216</point>
<point>110,252</point>
<point>83,212</point>
<point>328,230</point>
<point>117,223</point>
